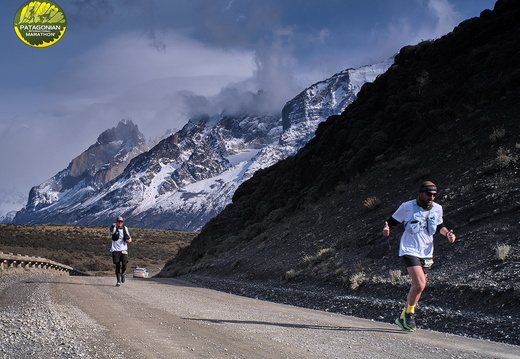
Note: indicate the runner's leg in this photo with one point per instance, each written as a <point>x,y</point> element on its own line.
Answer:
<point>418,284</point>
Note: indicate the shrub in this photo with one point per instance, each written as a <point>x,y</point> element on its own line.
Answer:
<point>371,203</point>
<point>356,280</point>
<point>497,135</point>
<point>502,251</point>
<point>503,159</point>
<point>394,276</point>
<point>320,256</point>
<point>291,274</point>
<point>310,260</point>
<point>325,253</point>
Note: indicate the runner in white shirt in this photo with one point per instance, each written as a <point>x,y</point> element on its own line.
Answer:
<point>421,217</point>
<point>119,248</point>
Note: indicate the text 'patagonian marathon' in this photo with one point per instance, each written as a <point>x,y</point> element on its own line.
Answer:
<point>40,27</point>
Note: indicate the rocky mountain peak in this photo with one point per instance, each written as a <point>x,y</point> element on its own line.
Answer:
<point>106,159</point>
<point>91,170</point>
<point>125,131</point>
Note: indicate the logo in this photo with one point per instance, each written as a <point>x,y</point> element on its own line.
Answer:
<point>40,23</point>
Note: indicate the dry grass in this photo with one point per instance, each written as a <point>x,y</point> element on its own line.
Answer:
<point>356,280</point>
<point>394,276</point>
<point>371,203</point>
<point>322,255</point>
<point>502,251</point>
<point>503,158</point>
<point>87,248</point>
<point>291,274</point>
<point>325,253</point>
<point>497,135</point>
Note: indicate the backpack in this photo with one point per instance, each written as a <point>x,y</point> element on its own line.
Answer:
<point>115,236</point>
<point>414,225</point>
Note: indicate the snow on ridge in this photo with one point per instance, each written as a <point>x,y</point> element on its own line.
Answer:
<point>242,156</point>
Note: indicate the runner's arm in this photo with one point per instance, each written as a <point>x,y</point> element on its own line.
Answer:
<point>448,234</point>
<point>388,224</point>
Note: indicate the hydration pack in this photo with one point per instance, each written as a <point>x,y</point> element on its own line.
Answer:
<point>417,223</point>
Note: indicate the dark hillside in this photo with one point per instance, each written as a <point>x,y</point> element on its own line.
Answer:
<point>447,111</point>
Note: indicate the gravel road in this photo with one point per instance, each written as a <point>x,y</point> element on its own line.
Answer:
<point>46,316</point>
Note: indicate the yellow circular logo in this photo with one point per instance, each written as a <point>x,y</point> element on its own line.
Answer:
<point>40,23</point>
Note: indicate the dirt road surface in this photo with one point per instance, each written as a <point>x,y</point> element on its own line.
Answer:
<point>166,318</point>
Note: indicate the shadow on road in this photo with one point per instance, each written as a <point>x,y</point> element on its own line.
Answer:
<point>68,283</point>
<point>298,326</point>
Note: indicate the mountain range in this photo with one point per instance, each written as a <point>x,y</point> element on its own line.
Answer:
<point>191,175</point>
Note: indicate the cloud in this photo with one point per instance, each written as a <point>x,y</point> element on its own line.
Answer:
<point>272,84</point>
<point>125,77</point>
<point>320,37</point>
<point>445,14</point>
<point>257,26</point>
<point>238,23</point>
<point>94,14</point>
<point>403,31</point>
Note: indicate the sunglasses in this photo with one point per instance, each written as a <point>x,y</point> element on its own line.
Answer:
<point>431,194</point>
<point>120,221</point>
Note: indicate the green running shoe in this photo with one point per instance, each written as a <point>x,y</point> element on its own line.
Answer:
<point>406,322</point>
<point>409,321</point>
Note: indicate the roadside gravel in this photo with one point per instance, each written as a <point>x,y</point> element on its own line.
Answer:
<point>36,327</point>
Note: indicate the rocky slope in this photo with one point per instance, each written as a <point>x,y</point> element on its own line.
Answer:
<point>447,111</point>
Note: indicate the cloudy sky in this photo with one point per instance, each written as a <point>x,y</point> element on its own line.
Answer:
<point>158,62</point>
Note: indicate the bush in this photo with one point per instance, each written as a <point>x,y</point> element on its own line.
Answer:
<point>319,257</point>
<point>325,253</point>
<point>394,276</point>
<point>356,280</point>
<point>310,260</point>
<point>291,274</point>
<point>502,251</point>
<point>371,203</point>
<point>497,135</point>
<point>503,159</point>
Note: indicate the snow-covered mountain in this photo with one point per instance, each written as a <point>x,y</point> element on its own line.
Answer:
<point>11,201</point>
<point>190,176</point>
<point>85,175</point>
<point>302,115</point>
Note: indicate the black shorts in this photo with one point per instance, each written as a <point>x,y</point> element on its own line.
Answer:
<point>412,261</point>
<point>118,256</point>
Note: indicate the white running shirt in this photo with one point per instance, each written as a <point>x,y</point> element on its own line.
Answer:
<point>420,226</point>
<point>120,244</point>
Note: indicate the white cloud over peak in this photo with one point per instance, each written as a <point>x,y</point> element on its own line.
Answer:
<point>444,12</point>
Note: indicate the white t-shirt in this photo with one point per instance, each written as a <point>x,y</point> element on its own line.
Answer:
<point>420,226</point>
<point>120,244</point>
